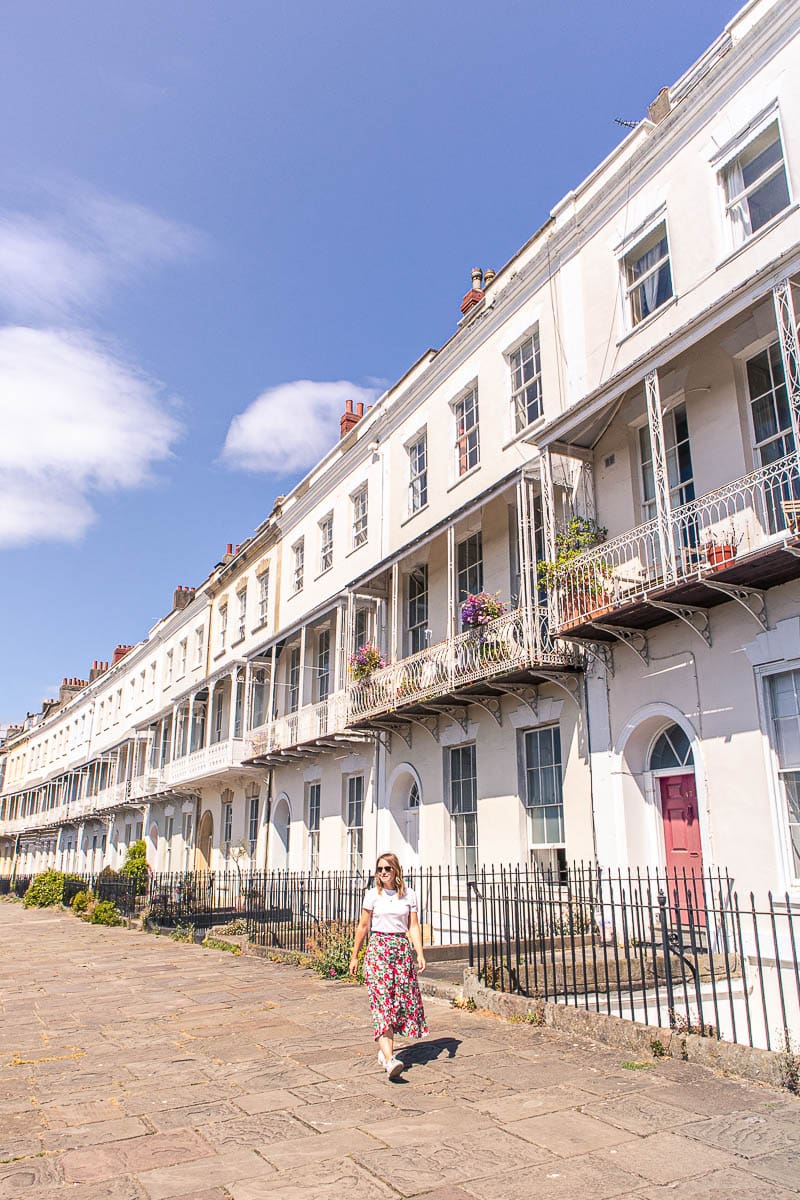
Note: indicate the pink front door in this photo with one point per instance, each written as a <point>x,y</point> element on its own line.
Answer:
<point>682,841</point>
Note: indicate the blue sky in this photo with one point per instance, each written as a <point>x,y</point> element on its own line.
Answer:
<point>203,203</point>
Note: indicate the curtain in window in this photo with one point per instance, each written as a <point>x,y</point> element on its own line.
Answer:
<point>650,285</point>
<point>740,212</point>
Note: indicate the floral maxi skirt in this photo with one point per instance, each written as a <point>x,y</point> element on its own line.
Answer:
<point>394,996</point>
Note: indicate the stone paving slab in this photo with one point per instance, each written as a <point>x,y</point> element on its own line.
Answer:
<point>136,1068</point>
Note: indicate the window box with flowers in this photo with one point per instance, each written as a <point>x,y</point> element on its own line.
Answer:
<point>365,661</point>
<point>478,612</point>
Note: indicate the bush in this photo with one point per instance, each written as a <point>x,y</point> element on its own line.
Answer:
<point>135,865</point>
<point>105,913</point>
<point>81,902</point>
<point>47,889</point>
<point>329,950</point>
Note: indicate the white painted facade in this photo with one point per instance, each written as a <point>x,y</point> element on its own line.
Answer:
<point>644,309</point>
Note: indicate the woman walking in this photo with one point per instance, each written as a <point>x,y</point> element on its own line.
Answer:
<point>391,919</point>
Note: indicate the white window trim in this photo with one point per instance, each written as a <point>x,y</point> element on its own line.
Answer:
<point>723,159</point>
<point>323,569</point>
<point>772,766</point>
<point>514,434</point>
<point>300,545</point>
<point>455,475</point>
<point>362,489</point>
<point>622,251</point>
<point>408,445</point>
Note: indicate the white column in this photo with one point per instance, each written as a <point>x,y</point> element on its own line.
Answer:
<point>529,592</point>
<point>661,479</point>
<point>209,713</point>
<point>549,524</point>
<point>395,614</point>
<point>302,683</point>
<point>190,734</point>
<point>271,696</point>
<point>452,583</point>
<point>232,709</point>
<point>339,672</point>
<point>786,320</point>
<point>172,733</point>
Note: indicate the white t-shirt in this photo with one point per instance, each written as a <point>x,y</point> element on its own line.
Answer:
<point>390,913</point>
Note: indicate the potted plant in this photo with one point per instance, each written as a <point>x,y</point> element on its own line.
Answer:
<point>366,659</point>
<point>721,547</point>
<point>588,590</point>
<point>480,608</point>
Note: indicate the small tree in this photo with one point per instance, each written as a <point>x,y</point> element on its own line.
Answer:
<point>135,866</point>
<point>579,535</point>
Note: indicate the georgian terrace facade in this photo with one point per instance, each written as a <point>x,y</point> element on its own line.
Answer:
<point>626,330</point>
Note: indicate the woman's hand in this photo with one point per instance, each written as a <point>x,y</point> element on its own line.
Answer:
<point>420,963</point>
<point>354,964</point>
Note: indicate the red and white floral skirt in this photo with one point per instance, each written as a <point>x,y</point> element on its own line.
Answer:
<point>394,995</point>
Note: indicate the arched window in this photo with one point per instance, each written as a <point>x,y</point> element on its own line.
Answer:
<point>413,795</point>
<point>671,750</point>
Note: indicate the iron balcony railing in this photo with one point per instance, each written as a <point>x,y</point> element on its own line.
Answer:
<point>325,718</point>
<point>208,760</point>
<point>743,517</point>
<point>513,641</point>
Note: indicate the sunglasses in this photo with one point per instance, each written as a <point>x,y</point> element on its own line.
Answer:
<point>385,870</point>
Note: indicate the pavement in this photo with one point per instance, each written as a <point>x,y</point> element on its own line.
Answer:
<point>133,1067</point>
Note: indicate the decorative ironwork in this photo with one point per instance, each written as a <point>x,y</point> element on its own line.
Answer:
<point>706,536</point>
<point>660,472</point>
<point>790,351</point>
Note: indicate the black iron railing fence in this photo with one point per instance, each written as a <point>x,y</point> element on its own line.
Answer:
<point>15,887</point>
<point>677,950</point>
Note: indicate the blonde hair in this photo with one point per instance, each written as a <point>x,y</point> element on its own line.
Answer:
<point>393,861</point>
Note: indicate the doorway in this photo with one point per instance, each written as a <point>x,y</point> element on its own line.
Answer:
<point>279,842</point>
<point>205,839</point>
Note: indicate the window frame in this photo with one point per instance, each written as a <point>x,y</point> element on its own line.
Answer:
<point>415,632</point>
<point>354,833</point>
<point>241,613</point>
<point>298,565</point>
<point>557,767</point>
<point>262,579</point>
<point>325,526</point>
<point>417,475</point>
<point>723,161</point>
<point>459,826</point>
<point>313,822</point>
<point>360,523</point>
<point>463,449</point>
<point>222,631</point>
<point>786,843</point>
<point>530,335</point>
<point>477,565</point>
<point>293,681</point>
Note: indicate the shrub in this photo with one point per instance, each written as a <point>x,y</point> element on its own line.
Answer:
<point>329,950</point>
<point>105,913</point>
<point>47,889</point>
<point>135,865</point>
<point>81,902</point>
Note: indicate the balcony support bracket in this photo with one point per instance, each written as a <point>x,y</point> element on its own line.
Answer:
<point>568,683</point>
<point>790,549</point>
<point>453,712</point>
<point>695,618</point>
<point>489,703</point>
<point>401,728</point>
<point>635,639</point>
<point>599,652</point>
<point>529,696</point>
<point>752,600</point>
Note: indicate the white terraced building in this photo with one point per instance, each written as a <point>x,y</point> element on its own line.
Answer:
<point>634,369</point>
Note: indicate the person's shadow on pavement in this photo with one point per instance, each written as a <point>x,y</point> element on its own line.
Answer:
<point>428,1051</point>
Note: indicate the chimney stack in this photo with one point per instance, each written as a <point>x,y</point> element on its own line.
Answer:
<point>182,596</point>
<point>98,669</point>
<point>475,294</point>
<point>70,688</point>
<point>661,107</point>
<point>119,654</point>
<point>488,276</point>
<point>350,417</point>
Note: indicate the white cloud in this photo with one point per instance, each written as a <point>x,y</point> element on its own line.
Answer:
<point>76,421</point>
<point>290,427</point>
<point>69,260</point>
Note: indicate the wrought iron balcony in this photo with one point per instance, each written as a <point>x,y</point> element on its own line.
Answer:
<point>512,646</point>
<point>727,544</point>
<point>324,719</point>
<point>209,760</point>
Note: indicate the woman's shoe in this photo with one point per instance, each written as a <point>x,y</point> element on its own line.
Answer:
<point>393,1067</point>
<point>382,1059</point>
